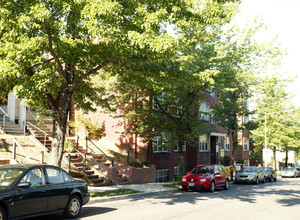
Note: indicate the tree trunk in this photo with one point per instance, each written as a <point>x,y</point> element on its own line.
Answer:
<point>274,158</point>
<point>181,156</point>
<point>286,157</point>
<point>58,140</point>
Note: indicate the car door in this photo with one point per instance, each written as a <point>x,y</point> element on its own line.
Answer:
<point>218,177</point>
<point>32,199</point>
<point>60,188</point>
<point>260,173</point>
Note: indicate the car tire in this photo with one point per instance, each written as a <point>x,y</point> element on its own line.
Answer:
<point>271,179</point>
<point>73,207</point>
<point>2,213</point>
<point>275,179</point>
<point>257,180</point>
<point>212,186</point>
<point>226,187</point>
<point>264,180</point>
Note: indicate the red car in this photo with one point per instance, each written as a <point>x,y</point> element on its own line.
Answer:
<point>206,177</point>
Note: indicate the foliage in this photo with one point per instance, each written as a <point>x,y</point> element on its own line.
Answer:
<point>282,119</point>
<point>52,51</point>
<point>116,192</point>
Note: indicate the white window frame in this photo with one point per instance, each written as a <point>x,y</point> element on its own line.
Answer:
<point>246,119</point>
<point>246,144</point>
<point>246,163</point>
<point>204,110</point>
<point>157,143</point>
<point>226,144</point>
<point>183,147</point>
<point>160,174</point>
<point>203,143</point>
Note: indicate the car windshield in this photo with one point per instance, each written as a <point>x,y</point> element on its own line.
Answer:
<point>7,176</point>
<point>266,169</point>
<point>248,170</point>
<point>288,169</point>
<point>203,170</point>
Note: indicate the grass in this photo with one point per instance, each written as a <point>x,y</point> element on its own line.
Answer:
<point>116,192</point>
<point>173,185</point>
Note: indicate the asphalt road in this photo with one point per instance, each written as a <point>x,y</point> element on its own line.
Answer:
<point>275,200</point>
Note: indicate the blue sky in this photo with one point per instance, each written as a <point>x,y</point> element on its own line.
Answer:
<point>282,18</point>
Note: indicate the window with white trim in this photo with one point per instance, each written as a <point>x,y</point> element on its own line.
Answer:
<point>226,144</point>
<point>204,111</point>
<point>246,119</point>
<point>159,142</point>
<point>183,147</point>
<point>246,163</point>
<point>162,175</point>
<point>176,172</point>
<point>246,144</point>
<point>160,99</point>
<point>203,143</point>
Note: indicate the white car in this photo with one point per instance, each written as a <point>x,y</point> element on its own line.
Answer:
<point>250,175</point>
<point>290,172</point>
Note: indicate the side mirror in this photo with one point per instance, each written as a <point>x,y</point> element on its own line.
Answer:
<point>217,173</point>
<point>187,173</point>
<point>24,185</point>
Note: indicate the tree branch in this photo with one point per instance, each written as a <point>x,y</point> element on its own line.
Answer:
<point>60,67</point>
<point>95,70</point>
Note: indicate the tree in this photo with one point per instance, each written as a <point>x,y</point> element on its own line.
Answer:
<point>51,50</point>
<point>273,103</point>
<point>167,102</point>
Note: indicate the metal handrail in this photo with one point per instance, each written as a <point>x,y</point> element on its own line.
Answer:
<point>87,139</point>
<point>15,142</point>
<point>45,133</point>
<point>4,119</point>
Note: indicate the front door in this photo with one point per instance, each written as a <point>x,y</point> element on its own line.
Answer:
<point>213,153</point>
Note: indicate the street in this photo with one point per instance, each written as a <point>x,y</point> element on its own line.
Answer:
<point>272,200</point>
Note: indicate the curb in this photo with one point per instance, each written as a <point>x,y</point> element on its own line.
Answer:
<point>128,196</point>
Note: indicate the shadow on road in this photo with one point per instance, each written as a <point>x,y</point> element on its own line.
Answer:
<point>85,212</point>
<point>242,192</point>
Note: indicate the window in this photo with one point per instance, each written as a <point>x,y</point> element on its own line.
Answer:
<point>246,144</point>
<point>246,163</point>
<point>162,176</point>
<point>204,111</point>
<point>54,175</point>
<point>161,100</point>
<point>159,143</point>
<point>226,144</point>
<point>34,176</point>
<point>203,143</point>
<point>176,172</point>
<point>183,147</point>
<point>246,119</point>
<point>179,107</point>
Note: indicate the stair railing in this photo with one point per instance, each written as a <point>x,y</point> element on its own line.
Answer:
<point>16,144</point>
<point>28,124</point>
<point>4,118</point>
<point>89,149</point>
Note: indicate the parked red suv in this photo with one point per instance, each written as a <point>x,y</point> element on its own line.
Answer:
<point>206,177</point>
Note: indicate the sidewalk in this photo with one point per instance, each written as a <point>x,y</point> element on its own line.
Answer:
<point>147,189</point>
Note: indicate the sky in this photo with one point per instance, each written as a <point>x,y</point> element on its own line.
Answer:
<point>282,18</point>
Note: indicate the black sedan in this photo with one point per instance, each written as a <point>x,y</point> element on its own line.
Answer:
<point>270,173</point>
<point>31,190</point>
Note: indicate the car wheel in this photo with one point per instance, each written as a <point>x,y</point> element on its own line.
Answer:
<point>264,180</point>
<point>271,179</point>
<point>275,179</point>
<point>2,213</point>
<point>257,180</point>
<point>226,185</point>
<point>212,186</point>
<point>73,207</point>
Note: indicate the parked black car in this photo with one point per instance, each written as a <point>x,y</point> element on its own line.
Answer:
<point>270,174</point>
<point>31,190</point>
